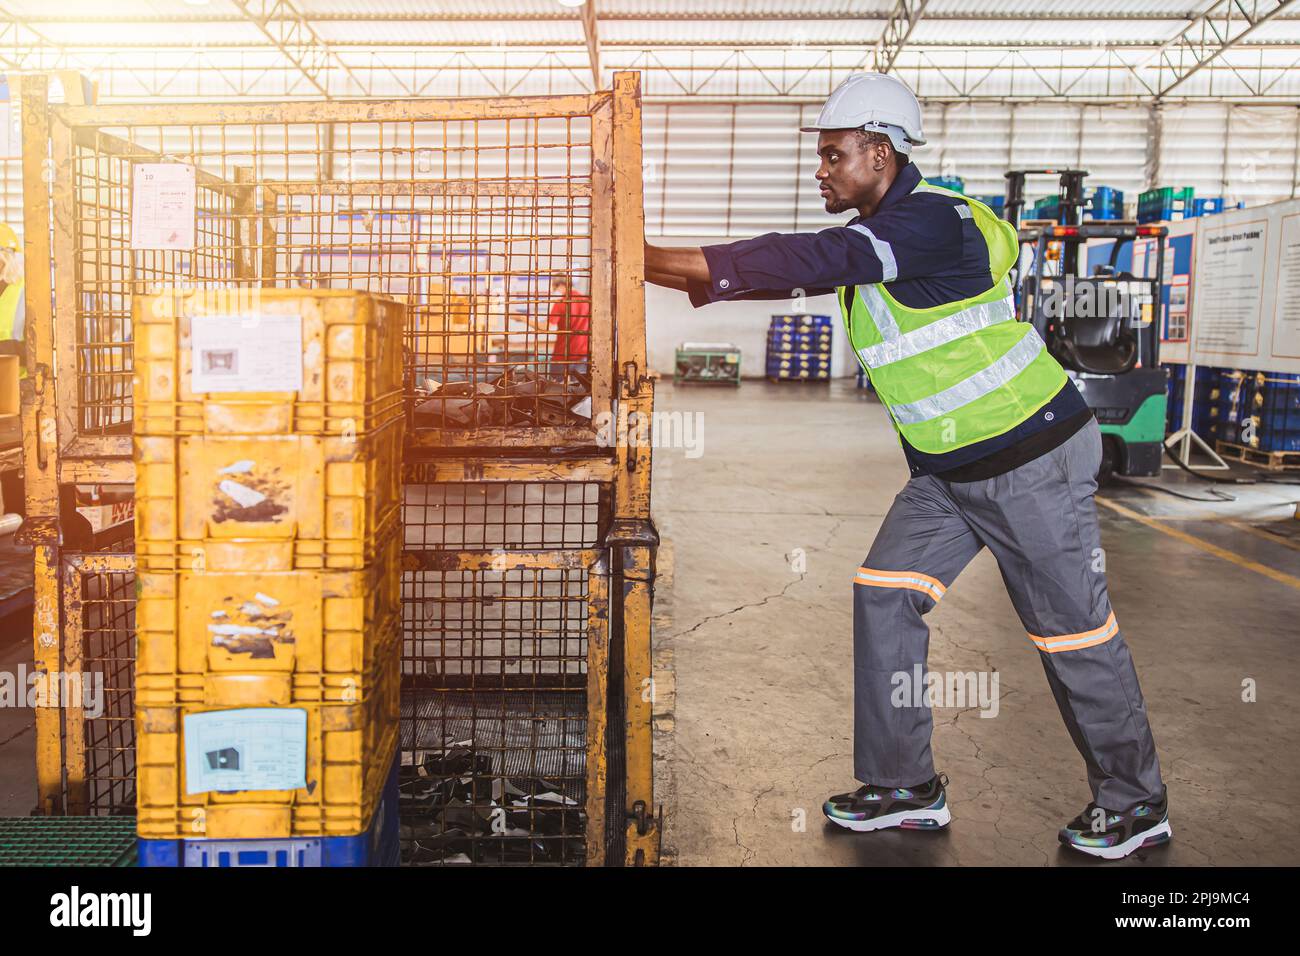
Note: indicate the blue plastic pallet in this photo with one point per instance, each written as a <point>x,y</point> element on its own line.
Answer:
<point>799,358</point>
<point>379,846</point>
<point>800,375</point>
<point>807,355</point>
<point>800,347</point>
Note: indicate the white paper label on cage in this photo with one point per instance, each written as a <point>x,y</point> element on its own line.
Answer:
<point>255,748</point>
<point>246,353</point>
<point>162,206</point>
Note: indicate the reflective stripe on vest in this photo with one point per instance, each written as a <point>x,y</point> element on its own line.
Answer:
<point>1011,364</point>
<point>898,345</point>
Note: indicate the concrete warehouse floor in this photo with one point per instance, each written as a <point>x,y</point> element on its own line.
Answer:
<point>754,682</point>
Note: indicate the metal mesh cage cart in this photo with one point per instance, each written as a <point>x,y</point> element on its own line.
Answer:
<point>511,229</point>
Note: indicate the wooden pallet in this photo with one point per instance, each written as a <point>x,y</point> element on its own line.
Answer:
<point>1267,460</point>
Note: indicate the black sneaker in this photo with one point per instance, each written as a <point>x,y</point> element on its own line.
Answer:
<point>1114,834</point>
<point>877,808</point>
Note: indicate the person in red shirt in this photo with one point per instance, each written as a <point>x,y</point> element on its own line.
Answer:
<point>571,319</point>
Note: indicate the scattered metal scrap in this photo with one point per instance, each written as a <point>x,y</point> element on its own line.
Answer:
<point>456,809</point>
<point>516,397</point>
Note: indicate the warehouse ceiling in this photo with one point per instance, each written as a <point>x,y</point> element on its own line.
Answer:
<point>707,50</point>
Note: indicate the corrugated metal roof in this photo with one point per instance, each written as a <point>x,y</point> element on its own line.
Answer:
<point>790,48</point>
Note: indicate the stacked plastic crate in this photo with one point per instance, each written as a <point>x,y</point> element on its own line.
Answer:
<point>1275,406</point>
<point>1049,207</point>
<point>1259,411</point>
<point>1165,204</point>
<point>1230,400</point>
<point>268,442</point>
<point>1211,206</point>
<point>1105,203</point>
<point>1207,381</point>
<point>799,348</point>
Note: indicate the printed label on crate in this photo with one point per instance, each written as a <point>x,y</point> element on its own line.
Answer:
<point>162,206</point>
<point>246,353</point>
<point>105,516</point>
<point>255,748</point>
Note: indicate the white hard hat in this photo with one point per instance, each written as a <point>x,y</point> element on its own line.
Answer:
<point>875,102</point>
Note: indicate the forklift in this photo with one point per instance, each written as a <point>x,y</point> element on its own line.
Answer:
<point>1102,328</point>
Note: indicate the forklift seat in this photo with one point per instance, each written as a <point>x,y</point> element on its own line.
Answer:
<point>1100,345</point>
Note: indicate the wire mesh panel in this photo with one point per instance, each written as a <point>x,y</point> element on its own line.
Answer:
<point>100,726</point>
<point>491,221</point>
<point>494,726</point>
<point>497,604</point>
<point>108,271</point>
<point>443,516</point>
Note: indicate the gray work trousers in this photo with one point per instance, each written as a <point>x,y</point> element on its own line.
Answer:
<point>1040,522</point>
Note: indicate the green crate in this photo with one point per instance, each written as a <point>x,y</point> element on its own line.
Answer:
<point>1166,195</point>
<point>67,841</point>
<point>707,363</point>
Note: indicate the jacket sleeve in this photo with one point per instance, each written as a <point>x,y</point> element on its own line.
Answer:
<point>918,238</point>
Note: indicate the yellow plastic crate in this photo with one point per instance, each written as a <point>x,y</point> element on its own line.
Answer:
<point>349,749</point>
<point>265,502</point>
<point>349,380</point>
<point>239,639</point>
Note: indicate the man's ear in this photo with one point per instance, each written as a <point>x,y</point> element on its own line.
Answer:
<point>884,156</point>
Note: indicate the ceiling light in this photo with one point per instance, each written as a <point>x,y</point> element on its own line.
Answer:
<point>197,3</point>
<point>572,3</point>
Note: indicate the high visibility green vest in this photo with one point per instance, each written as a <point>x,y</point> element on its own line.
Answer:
<point>11,300</point>
<point>958,373</point>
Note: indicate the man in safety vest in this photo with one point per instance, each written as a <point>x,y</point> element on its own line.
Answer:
<point>11,293</point>
<point>1003,453</point>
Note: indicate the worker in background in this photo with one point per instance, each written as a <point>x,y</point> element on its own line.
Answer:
<point>1003,453</point>
<point>11,294</point>
<point>570,318</point>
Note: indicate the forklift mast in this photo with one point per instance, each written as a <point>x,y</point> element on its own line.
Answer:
<point>1071,199</point>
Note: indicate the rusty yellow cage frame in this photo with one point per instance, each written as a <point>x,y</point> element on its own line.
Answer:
<point>79,361</point>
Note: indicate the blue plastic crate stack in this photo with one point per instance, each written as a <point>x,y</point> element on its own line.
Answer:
<point>1206,380</point>
<point>1049,207</point>
<point>996,202</point>
<point>799,348</point>
<point>1105,203</point>
<point>1230,400</point>
<point>1211,205</point>
<point>1253,409</point>
<point>1275,410</point>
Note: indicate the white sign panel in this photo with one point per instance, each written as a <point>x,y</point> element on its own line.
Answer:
<point>1229,287</point>
<point>1286,305</point>
<point>246,353</point>
<point>256,748</point>
<point>1246,289</point>
<point>162,206</point>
